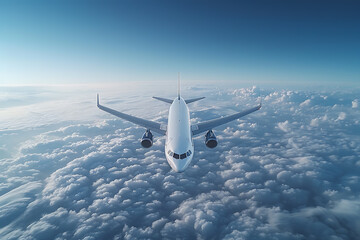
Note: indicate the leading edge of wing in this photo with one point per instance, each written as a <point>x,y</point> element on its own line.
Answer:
<point>208,125</point>
<point>154,126</point>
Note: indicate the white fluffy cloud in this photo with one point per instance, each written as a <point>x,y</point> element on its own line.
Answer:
<point>355,103</point>
<point>289,171</point>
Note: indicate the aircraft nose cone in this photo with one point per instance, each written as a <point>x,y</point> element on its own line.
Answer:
<point>181,165</point>
<point>179,169</point>
<point>178,165</point>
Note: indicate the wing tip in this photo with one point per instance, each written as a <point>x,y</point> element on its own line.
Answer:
<point>97,100</point>
<point>260,105</point>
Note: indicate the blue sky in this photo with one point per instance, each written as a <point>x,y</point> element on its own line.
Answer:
<point>294,42</point>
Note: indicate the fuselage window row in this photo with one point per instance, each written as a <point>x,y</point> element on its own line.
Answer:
<point>179,156</point>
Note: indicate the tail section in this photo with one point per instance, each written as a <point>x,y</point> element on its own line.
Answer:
<point>171,101</point>
<point>193,100</point>
<point>164,100</point>
<point>178,86</point>
<point>178,96</point>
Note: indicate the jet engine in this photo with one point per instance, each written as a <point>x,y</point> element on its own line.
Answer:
<point>210,139</point>
<point>147,139</point>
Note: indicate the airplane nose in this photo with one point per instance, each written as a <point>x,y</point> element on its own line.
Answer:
<point>178,165</point>
<point>181,165</point>
<point>179,169</point>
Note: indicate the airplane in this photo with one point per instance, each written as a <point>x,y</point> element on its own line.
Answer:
<point>179,132</point>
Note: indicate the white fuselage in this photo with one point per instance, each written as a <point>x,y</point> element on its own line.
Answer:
<point>179,147</point>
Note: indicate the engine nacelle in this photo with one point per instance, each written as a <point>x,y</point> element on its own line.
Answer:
<point>210,139</point>
<point>147,139</point>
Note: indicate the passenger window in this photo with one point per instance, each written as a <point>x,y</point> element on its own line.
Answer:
<point>176,155</point>
<point>182,156</point>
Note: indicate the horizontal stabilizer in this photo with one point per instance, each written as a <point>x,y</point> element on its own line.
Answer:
<point>193,100</point>
<point>164,100</point>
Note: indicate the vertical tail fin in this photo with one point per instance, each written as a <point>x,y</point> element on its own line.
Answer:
<point>178,86</point>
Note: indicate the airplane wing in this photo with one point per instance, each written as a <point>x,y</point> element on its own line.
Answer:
<point>154,126</point>
<point>208,125</point>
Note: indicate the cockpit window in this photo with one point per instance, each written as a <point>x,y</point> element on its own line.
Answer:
<point>179,156</point>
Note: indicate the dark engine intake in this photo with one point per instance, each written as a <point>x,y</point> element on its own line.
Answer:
<point>147,139</point>
<point>210,139</point>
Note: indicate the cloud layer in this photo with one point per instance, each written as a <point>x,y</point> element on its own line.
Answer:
<point>289,171</point>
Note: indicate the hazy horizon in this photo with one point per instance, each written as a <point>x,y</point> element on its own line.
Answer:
<point>289,171</point>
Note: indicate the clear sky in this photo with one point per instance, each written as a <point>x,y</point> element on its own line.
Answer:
<point>61,42</point>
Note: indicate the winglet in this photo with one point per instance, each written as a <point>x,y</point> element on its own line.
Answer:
<point>178,85</point>
<point>97,100</point>
<point>260,105</point>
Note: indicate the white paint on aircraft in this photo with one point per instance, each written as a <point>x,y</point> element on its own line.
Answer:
<point>179,145</point>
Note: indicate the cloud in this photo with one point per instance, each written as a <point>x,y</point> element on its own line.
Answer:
<point>355,103</point>
<point>285,172</point>
<point>314,122</point>
<point>342,116</point>
<point>305,103</point>
<point>284,126</point>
